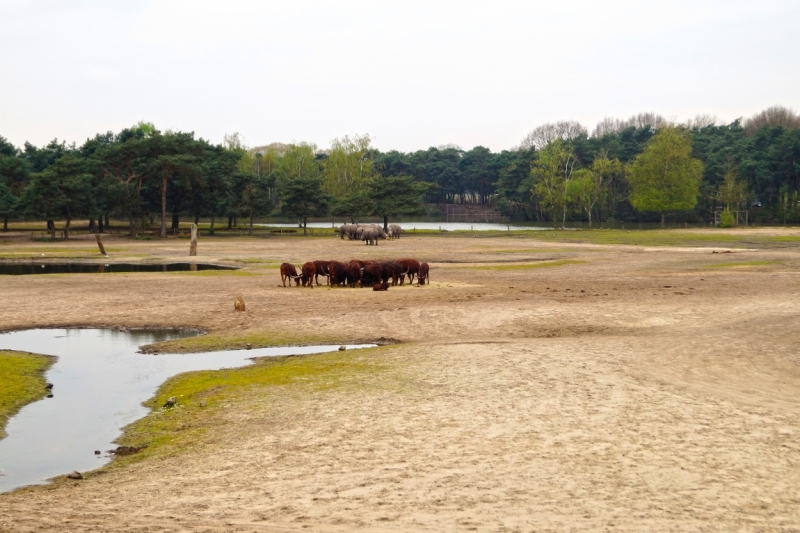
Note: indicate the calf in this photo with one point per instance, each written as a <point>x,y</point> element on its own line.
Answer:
<point>307,274</point>
<point>288,271</point>
<point>381,286</point>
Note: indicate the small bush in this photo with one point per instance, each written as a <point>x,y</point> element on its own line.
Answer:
<point>726,219</point>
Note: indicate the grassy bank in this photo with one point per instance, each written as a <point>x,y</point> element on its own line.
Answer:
<point>204,399</point>
<point>22,382</point>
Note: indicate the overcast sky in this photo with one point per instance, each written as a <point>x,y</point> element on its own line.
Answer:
<point>411,74</point>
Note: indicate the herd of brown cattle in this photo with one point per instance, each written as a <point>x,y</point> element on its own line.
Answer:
<point>376,274</point>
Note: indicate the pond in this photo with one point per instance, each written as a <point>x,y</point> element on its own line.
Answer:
<point>448,226</point>
<point>99,383</point>
<point>15,269</point>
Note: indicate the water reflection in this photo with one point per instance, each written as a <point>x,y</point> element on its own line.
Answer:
<point>95,268</point>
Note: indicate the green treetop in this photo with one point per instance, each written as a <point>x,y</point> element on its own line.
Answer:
<point>665,177</point>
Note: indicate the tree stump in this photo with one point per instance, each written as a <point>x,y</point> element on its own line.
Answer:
<point>193,246</point>
<point>100,244</point>
<point>239,304</point>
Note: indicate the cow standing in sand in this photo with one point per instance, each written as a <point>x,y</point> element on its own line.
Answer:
<point>288,271</point>
<point>307,274</point>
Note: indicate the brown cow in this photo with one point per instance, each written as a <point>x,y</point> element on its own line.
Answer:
<point>354,272</point>
<point>411,266</point>
<point>390,270</point>
<point>321,269</point>
<point>338,273</point>
<point>423,273</point>
<point>288,271</point>
<point>381,286</point>
<point>373,273</point>
<point>307,274</point>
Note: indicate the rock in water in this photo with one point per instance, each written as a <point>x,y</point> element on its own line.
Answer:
<point>170,402</point>
<point>74,475</point>
<point>49,386</point>
<point>97,452</point>
<point>342,348</point>
<point>239,304</point>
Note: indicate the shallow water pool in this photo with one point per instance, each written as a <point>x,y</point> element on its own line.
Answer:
<point>17,269</point>
<point>99,383</point>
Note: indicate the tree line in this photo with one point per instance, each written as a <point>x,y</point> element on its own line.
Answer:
<point>142,174</point>
<point>641,168</point>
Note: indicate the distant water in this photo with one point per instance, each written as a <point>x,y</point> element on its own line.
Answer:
<point>449,226</point>
<point>16,269</point>
<point>100,382</point>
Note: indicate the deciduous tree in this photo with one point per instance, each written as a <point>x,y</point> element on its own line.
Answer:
<point>665,177</point>
<point>551,174</point>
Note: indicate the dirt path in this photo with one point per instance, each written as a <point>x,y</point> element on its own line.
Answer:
<point>622,388</point>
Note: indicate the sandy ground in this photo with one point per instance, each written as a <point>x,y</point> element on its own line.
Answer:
<point>635,390</point>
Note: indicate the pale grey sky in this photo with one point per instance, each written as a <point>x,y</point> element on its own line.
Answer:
<point>411,74</point>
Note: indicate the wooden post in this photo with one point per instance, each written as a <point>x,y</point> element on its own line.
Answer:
<point>193,246</point>
<point>100,244</point>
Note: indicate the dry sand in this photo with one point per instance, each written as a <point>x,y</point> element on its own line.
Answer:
<point>636,390</point>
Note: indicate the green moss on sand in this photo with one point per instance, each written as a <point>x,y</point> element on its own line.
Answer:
<point>22,382</point>
<point>203,398</point>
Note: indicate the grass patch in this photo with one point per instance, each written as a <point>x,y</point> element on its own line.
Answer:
<point>216,341</point>
<point>743,264</point>
<point>525,251</point>
<point>167,431</point>
<point>528,266</point>
<point>22,382</point>
<point>649,237</point>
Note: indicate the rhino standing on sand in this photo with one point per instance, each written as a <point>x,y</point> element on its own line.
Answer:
<point>371,234</point>
<point>347,229</point>
<point>394,231</point>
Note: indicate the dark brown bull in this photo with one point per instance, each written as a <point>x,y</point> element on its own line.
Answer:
<point>288,271</point>
<point>372,273</point>
<point>381,286</point>
<point>390,271</point>
<point>321,269</point>
<point>307,274</point>
<point>411,267</point>
<point>424,271</point>
<point>338,273</point>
